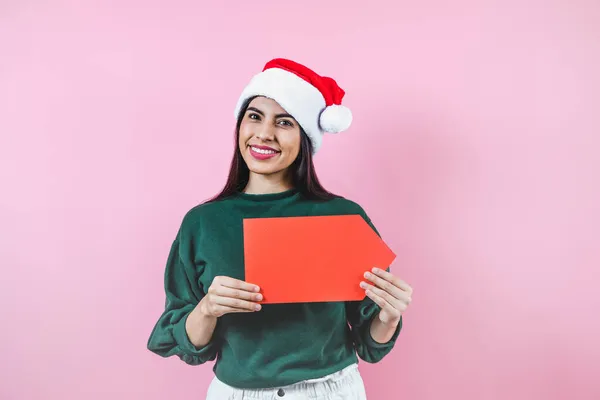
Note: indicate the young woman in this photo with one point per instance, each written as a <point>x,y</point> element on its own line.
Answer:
<point>299,350</point>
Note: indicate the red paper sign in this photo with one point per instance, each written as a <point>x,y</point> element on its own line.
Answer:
<point>311,259</point>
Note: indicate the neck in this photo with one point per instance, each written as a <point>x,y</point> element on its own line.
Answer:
<point>265,184</point>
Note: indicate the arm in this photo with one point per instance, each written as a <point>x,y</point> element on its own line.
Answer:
<point>189,321</point>
<point>372,339</point>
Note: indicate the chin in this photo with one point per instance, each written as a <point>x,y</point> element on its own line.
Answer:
<point>263,169</point>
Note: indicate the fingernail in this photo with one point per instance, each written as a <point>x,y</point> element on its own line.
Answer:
<point>256,289</point>
<point>257,307</point>
<point>259,297</point>
<point>367,274</point>
<point>363,285</point>
<point>376,270</point>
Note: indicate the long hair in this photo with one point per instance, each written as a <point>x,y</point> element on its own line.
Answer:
<point>304,176</point>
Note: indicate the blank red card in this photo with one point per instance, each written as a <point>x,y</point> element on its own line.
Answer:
<point>311,259</point>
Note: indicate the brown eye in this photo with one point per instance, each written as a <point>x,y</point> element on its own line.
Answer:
<point>253,116</point>
<point>288,123</point>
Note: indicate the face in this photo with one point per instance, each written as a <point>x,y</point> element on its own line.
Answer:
<point>269,137</point>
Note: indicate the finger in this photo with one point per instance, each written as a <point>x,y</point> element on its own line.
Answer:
<point>236,284</point>
<point>380,301</point>
<point>385,285</point>
<point>394,280</point>
<point>398,304</point>
<point>384,305</point>
<point>221,310</point>
<point>225,291</point>
<point>237,303</point>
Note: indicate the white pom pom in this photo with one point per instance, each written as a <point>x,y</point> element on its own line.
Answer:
<point>335,118</point>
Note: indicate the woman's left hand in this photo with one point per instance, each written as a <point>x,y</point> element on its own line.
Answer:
<point>390,293</point>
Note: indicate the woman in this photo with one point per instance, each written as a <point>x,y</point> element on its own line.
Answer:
<point>270,351</point>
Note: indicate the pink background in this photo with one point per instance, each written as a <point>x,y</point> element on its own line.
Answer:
<point>475,149</point>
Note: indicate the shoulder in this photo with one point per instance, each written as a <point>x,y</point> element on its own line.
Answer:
<point>194,217</point>
<point>200,210</point>
<point>345,206</point>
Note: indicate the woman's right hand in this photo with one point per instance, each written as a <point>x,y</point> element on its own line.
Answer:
<point>228,295</point>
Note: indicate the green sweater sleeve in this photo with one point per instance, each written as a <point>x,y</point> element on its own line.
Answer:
<point>183,293</point>
<point>360,315</point>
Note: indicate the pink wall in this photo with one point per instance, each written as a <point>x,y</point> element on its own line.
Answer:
<point>475,149</point>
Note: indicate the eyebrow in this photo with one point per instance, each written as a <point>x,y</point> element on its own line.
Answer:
<point>283,115</point>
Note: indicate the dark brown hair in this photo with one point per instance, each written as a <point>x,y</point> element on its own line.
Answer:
<point>303,171</point>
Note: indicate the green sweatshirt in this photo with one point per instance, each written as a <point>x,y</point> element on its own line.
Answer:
<point>282,343</point>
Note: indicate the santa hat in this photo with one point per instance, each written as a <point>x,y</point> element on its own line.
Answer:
<point>313,100</point>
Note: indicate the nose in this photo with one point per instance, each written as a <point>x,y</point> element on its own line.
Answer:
<point>265,132</point>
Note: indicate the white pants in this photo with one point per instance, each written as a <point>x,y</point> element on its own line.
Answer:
<point>346,384</point>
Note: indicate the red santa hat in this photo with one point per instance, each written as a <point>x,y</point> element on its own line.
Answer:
<point>313,100</point>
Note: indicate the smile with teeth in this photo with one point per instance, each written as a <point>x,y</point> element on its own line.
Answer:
<point>263,151</point>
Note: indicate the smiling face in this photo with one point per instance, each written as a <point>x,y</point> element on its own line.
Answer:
<point>269,138</point>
